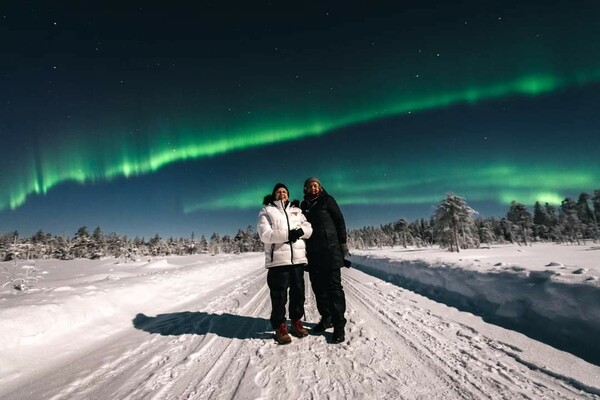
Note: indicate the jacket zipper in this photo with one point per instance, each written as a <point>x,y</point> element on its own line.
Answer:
<point>288,225</point>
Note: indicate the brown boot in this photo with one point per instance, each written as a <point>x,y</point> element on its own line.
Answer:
<point>281,335</point>
<point>297,329</point>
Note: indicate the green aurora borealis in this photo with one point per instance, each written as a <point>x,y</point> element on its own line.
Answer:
<point>315,88</point>
<point>96,164</point>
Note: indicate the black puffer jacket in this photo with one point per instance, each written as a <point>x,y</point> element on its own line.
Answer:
<point>329,232</point>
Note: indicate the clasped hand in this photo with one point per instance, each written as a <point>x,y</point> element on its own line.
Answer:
<point>295,234</point>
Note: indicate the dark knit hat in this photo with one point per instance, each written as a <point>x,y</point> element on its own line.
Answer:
<point>312,179</point>
<point>279,186</point>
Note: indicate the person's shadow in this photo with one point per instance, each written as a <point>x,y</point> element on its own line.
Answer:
<point>201,323</point>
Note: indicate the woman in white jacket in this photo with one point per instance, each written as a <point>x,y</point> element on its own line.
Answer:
<point>281,227</point>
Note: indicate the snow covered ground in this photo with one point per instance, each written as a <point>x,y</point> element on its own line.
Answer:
<point>197,327</point>
<point>550,292</point>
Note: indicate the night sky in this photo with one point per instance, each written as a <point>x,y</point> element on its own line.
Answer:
<point>175,118</point>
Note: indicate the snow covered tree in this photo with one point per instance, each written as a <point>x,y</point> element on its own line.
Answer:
<point>402,230</point>
<point>355,240</point>
<point>81,243</point>
<point>203,246</point>
<point>140,246</point>
<point>596,204</point>
<point>38,244</point>
<point>228,245</point>
<point>423,232</point>
<point>62,251</point>
<point>541,221</point>
<point>155,246</point>
<point>453,223</point>
<point>485,231</point>
<point>569,221</point>
<point>596,212</point>
<point>246,241</point>
<point>9,244</point>
<point>173,246</point>
<point>215,244</point>
<point>97,244</point>
<point>118,246</point>
<point>390,236</point>
<point>191,245</point>
<point>521,217</point>
<point>586,215</point>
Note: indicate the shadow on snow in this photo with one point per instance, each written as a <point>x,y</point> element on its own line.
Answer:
<point>201,323</point>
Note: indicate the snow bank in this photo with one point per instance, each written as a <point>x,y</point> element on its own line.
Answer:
<point>524,288</point>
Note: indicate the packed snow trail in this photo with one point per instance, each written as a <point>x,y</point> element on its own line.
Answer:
<point>219,346</point>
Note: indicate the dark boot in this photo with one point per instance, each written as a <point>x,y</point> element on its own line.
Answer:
<point>322,326</point>
<point>338,335</point>
<point>281,335</point>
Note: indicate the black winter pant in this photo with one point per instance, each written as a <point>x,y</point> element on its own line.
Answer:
<point>331,302</point>
<point>279,280</point>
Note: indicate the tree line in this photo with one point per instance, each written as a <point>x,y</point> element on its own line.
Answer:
<point>454,226</point>
<point>97,245</point>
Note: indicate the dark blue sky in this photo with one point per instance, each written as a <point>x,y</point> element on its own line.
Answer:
<point>163,118</point>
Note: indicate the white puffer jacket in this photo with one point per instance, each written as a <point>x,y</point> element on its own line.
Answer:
<point>274,223</point>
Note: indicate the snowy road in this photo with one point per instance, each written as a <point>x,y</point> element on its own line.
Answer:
<point>399,345</point>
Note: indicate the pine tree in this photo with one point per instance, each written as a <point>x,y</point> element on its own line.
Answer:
<point>552,213</point>
<point>39,244</point>
<point>569,221</point>
<point>521,217</point>
<point>97,244</point>
<point>117,246</point>
<point>596,212</point>
<point>155,245</point>
<point>587,216</point>
<point>228,246</point>
<point>203,245</point>
<point>215,244</point>
<point>63,250</point>
<point>541,221</point>
<point>485,231</point>
<point>402,230</point>
<point>81,243</point>
<point>454,224</point>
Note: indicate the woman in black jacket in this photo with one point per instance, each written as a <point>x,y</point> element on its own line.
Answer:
<point>326,250</point>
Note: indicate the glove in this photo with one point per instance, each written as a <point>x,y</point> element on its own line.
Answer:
<point>345,251</point>
<point>295,234</point>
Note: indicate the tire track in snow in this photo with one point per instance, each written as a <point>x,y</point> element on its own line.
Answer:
<point>394,349</point>
<point>370,364</point>
<point>372,328</point>
<point>183,365</point>
<point>213,365</point>
<point>474,366</point>
<point>229,359</point>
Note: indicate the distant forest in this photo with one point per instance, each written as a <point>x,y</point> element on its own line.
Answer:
<point>454,225</point>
